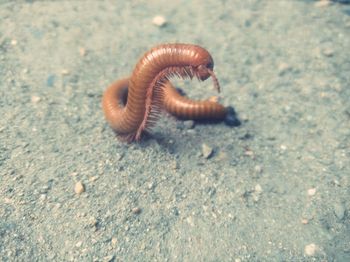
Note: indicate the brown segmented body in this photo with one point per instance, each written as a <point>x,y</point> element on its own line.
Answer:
<point>185,108</point>
<point>132,105</point>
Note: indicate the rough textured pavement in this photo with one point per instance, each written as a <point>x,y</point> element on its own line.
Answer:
<point>274,189</point>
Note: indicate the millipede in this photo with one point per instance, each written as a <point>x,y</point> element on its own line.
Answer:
<point>132,105</point>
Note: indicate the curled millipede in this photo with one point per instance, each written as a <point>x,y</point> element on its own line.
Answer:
<point>132,105</point>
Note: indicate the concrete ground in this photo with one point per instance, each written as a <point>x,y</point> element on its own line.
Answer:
<point>274,189</point>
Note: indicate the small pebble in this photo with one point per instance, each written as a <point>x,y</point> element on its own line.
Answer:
<point>119,156</point>
<point>258,189</point>
<point>190,221</point>
<point>65,72</point>
<point>93,178</point>
<point>136,210</point>
<point>8,200</point>
<point>151,186</point>
<point>249,152</point>
<point>258,169</point>
<point>207,151</point>
<point>311,191</point>
<point>328,52</point>
<point>143,246</point>
<point>175,165</point>
<point>310,250</point>
<point>322,3</point>
<point>13,42</point>
<point>283,68</point>
<point>43,197</point>
<point>114,241</point>
<point>108,258</point>
<point>93,222</point>
<point>304,221</point>
<point>339,210</point>
<point>159,21</point>
<point>35,99</point>
<point>188,124</point>
<point>324,94</point>
<point>191,131</point>
<point>79,188</point>
<point>174,211</point>
<point>79,244</point>
<point>82,51</point>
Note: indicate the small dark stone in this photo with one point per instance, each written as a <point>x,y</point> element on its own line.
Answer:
<point>174,211</point>
<point>210,191</point>
<point>246,136</point>
<point>231,118</point>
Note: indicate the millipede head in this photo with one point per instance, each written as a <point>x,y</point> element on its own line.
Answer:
<point>204,69</point>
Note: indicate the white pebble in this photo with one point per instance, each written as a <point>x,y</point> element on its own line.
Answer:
<point>190,221</point>
<point>65,72</point>
<point>207,151</point>
<point>93,178</point>
<point>328,52</point>
<point>82,51</point>
<point>304,221</point>
<point>310,249</point>
<point>35,99</point>
<point>159,21</point>
<point>150,186</point>
<point>79,188</point>
<point>114,241</point>
<point>283,68</point>
<point>311,191</point>
<point>322,3</point>
<point>258,189</point>
<point>43,197</point>
<point>108,258</point>
<point>249,153</point>
<point>258,169</point>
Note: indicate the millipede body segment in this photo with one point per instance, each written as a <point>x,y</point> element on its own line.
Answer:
<point>132,105</point>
